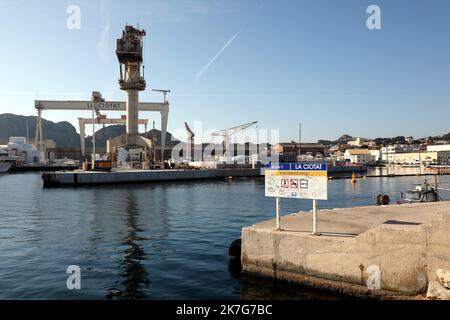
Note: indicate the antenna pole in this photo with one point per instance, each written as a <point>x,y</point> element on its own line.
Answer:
<point>299,138</point>
<point>300,133</point>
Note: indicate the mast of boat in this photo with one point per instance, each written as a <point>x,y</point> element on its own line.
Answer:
<point>420,160</point>
<point>299,139</point>
<point>435,182</point>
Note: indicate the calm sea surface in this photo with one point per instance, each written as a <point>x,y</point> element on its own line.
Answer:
<point>148,241</point>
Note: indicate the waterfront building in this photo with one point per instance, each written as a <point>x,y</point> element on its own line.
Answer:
<point>291,148</point>
<point>438,147</point>
<point>376,155</point>
<point>388,152</point>
<point>338,156</point>
<point>358,156</point>
<point>358,142</point>
<point>289,151</point>
<point>427,157</point>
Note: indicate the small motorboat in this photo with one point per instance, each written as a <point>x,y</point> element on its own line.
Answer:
<point>421,193</point>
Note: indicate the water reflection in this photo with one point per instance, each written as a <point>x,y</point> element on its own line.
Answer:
<point>187,227</point>
<point>134,276</point>
<point>255,288</point>
<point>235,268</point>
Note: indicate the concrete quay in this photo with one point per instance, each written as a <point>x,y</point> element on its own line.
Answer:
<point>90,178</point>
<point>406,243</point>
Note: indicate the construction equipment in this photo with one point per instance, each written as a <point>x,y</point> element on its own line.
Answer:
<point>129,54</point>
<point>103,165</point>
<point>96,98</point>
<point>164,91</point>
<point>117,106</point>
<point>102,120</point>
<point>190,140</point>
<point>227,133</point>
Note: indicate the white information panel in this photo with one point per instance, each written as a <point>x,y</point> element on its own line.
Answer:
<point>306,180</point>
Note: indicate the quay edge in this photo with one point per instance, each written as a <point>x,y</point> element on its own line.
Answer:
<point>407,242</point>
<point>92,178</point>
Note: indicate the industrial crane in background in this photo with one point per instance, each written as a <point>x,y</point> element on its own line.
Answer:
<point>227,133</point>
<point>190,138</point>
<point>97,97</point>
<point>164,92</point>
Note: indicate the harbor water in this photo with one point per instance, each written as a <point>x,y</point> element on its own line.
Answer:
<point>149,241</point>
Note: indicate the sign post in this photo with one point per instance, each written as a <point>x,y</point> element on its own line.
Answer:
<point>305,180</point>
<point>278,205</point>
<point>315,218</point>
<point>93,136</point>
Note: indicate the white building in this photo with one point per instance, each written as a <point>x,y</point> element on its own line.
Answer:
<point>356,143</point>
<point>376,155</point>
<point>358,156</point>
<point>338,156</point>
<point>438,147</point>
<point>388,152</point>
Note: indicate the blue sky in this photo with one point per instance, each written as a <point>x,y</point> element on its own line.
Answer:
<point>310,61</point>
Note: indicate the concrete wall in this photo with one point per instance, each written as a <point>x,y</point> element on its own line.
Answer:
<point>136,176</point>
<point>408,258</point>
<point>220,166</point>
<point>437,253</point>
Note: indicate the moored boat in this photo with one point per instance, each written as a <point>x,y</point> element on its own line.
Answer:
<point>421,193</point>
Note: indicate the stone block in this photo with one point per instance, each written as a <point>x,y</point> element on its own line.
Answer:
<point>444,277</point>
<point>436,291</point>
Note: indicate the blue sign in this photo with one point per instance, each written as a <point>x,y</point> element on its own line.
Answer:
<point>310,166</point>
<point>278,166</point>
<point>301,166</point>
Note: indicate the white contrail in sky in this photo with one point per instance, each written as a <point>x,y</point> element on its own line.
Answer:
<point>201,72</point>
<point>103,42</point>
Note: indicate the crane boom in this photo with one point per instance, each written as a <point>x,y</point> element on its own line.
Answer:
<point>233,130</point>
<point>189,130</point>
<point>227,133</point>
<point>191,144</point>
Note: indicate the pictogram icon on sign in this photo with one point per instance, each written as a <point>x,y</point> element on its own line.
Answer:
<point>294,184</point>
<point>303,184</point>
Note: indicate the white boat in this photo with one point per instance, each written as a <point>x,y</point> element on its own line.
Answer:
<point>421,193</point>
<point>5,162</point>
<point>5,166</point>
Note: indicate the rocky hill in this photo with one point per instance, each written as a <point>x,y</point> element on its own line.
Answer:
<point>116,130</point>
<point>64,133</point>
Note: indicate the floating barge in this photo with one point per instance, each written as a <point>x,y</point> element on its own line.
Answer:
<point>42,168</point>
<point>90,178</point>
<point>407,243</point>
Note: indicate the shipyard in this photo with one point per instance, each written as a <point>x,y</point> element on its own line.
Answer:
<point>185,158</point>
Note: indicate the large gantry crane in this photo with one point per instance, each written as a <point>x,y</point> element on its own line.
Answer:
<point>227,133</point>
<point>102,120</point>
<point>129,53</point>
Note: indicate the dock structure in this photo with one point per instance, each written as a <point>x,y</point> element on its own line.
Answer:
<point>92,178</point>
<point>384,251</point>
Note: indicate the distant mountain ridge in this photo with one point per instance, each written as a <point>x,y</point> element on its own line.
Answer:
<point>116,130</point>
<point>64,133</point>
